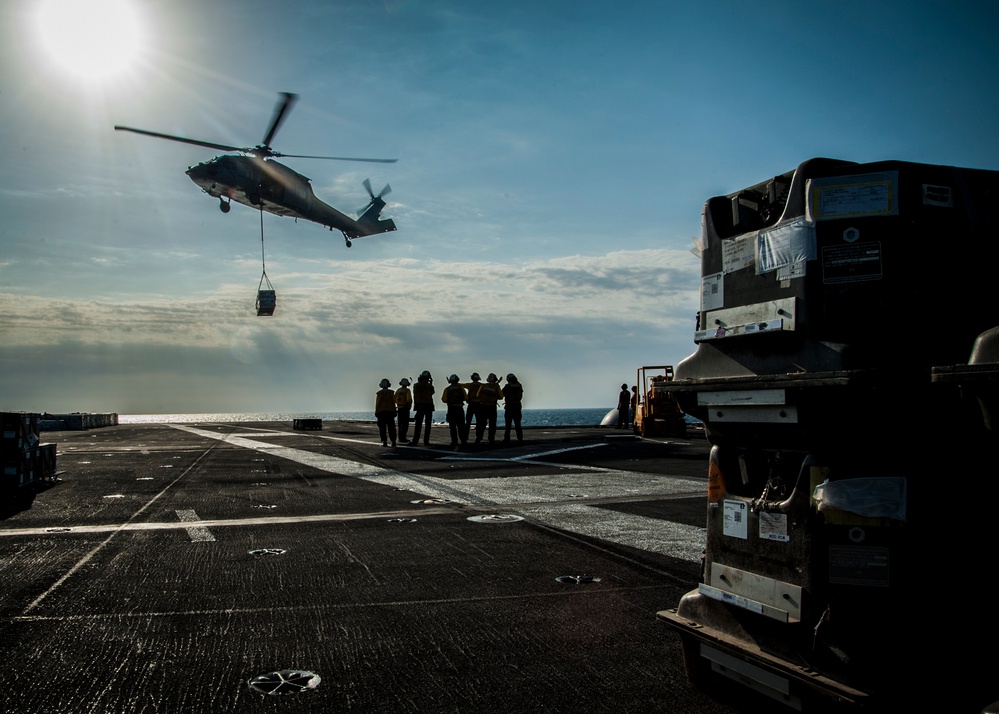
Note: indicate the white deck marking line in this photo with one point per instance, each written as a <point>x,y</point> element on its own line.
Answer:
<point>198,534</point>
<point>434,487</point>
<point>346,467</point>
<point>572,592</point>
<point>540,498</point>
<point>225,523</point>
<point>645,533</point>
<point>351,441</point>
<point>558,451</point>
<point>100,546</point>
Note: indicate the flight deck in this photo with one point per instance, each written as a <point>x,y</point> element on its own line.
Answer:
<point>255,567</point>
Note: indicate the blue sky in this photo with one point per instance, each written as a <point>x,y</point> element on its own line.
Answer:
<point>554,158</point>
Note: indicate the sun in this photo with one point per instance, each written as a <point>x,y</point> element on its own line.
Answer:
<point>92,40</point>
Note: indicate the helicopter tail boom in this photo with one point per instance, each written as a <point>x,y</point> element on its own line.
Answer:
<point>370,228</point>
<point>369,221</point>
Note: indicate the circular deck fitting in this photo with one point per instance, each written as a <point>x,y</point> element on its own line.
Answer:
<point>576,579</point>
<point>267,551</point>
<point>496,518</point>
<point>287,681</point>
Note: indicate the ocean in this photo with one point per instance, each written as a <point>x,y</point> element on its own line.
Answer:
<point>531,417</point>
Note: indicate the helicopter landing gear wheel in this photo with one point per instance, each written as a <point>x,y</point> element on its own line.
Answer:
<point>224,205</point>
<point>347,241</point>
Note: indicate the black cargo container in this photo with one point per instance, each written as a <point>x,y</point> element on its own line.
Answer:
<point>846,372</point>
<point>22,460</point>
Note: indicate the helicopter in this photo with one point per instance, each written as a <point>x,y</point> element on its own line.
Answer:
<point>254,179</point>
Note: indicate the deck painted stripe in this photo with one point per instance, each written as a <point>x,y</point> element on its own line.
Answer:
<point>544,493</point>
<point>198,534</point>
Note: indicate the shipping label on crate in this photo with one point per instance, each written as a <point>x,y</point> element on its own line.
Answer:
<point>859,262</point>
<point>848,196</point>
<point>773,526</point>
<point>735,516</point>
<point>712,292</point>
<point>738,252</point>
<point>858,565</point>
<point>784,245</point>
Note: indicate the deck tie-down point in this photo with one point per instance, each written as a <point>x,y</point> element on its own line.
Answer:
<point>287,681</point>
<point>496,518</point>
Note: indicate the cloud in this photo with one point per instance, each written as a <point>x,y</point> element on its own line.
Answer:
<point>547,320</point>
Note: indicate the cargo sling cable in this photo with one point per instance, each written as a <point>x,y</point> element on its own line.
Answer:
<point>266,298</point>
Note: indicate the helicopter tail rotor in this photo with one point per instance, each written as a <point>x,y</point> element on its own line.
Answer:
<point>371,212</point>
<point>369,221</point>
<point>384,192</point>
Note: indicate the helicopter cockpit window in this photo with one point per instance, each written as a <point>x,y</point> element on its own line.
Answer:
<point>212,166</point>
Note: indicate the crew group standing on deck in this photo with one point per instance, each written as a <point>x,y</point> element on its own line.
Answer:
<point>482,400</point>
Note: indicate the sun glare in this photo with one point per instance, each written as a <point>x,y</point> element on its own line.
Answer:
<point>93,40</point>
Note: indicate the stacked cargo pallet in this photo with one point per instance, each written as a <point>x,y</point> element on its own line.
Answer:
<point>77,421</point>
<point>26,461</point>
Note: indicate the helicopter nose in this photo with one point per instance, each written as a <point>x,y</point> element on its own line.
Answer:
<point>200,175</point>
<point>202,171</point>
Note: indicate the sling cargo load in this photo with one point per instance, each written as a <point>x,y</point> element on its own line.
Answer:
<point>848,320</point>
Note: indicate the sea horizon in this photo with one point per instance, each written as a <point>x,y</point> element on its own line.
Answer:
<point>592,416</point>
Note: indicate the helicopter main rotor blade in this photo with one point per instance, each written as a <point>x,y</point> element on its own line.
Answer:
<point>335,158</point>
<point>280,111</point>
<point>206,144</point>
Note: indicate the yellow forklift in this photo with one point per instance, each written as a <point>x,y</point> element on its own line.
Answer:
<point>657,412</point>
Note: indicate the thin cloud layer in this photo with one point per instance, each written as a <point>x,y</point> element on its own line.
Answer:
<point>388,318</point>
